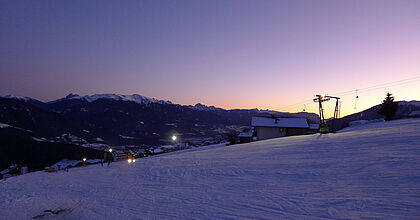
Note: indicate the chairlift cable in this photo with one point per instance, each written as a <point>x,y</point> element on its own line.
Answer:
<point>362,90</point>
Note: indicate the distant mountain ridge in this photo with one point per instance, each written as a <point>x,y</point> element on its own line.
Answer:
<point>133,98</point>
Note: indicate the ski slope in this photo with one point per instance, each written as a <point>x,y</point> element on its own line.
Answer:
<point>368,172</point>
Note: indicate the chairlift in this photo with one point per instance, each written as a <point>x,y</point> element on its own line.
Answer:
<point>355,101</point>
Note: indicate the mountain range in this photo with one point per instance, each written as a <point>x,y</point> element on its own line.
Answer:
<point>114,119</point>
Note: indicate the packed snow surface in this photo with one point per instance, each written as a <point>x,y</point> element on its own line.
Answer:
<point>368,172</point>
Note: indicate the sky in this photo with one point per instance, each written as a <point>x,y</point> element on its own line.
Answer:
<point>232,54</point>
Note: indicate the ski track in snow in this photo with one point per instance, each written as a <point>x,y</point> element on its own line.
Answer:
<point>370,172</point>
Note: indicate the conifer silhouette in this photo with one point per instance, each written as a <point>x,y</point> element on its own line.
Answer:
<point>388,107</point>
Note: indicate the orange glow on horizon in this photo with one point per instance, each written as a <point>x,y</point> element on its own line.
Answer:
<point>368,99</point>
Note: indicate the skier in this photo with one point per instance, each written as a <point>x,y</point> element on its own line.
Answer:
<point>105,158</point>
<point>108,157</point>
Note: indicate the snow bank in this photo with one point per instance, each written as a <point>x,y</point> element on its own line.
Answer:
<point>368,173</point>
<point>363,122</point>
<point>414,114</point>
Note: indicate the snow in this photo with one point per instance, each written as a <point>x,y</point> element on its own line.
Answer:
<point>368,172</point>
<point>132,98</point>
<point>23,98</point>
<point>126,137</point>
<point>99,139</point>
<point>2,125</point>
<point>66,163</point>
<point>363,122</point>
<point>70,138</point>
<point>313,126</point>
<point>247,133</point>
<point>413,102</point>
<point>98,146</point>
<point>414,113</point>
<point>167,146</point>
<point>202,107</point>
<point>69,163</point>
<point>279,122</point>
<point>41,139</point>
<point>4,171</point>
<point>157,150</point>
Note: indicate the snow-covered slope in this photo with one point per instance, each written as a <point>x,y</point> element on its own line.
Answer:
<point>367,173</point>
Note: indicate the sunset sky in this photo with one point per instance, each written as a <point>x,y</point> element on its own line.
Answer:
<point>231,54</point>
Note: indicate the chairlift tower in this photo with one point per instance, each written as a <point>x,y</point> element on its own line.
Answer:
<point>320,99</point>
<point>336,110</point>
<point>323,128</point>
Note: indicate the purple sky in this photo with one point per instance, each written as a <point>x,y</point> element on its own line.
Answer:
<point>232,54</point>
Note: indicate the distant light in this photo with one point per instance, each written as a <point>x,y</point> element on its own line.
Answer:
<point>174,138</point>
<point>110,150</point>
<point>134,160</point>
<point>129,161</point>
<point>84,159</point>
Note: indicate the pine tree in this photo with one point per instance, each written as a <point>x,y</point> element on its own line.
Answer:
<point>388,107</point>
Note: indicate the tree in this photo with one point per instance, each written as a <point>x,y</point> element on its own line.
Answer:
<point>388,107</point>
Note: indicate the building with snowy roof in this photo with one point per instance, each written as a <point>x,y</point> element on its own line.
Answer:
<point>273,127</point>
<point>246,135</point>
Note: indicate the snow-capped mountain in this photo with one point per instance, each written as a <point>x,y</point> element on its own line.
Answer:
<point>202,107</point>
<point>24,98</point>
<point>117,97</point>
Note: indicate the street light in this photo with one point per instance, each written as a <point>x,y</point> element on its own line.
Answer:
<point>84,159</point>
<point>174,138</point>
<point>110,150</point>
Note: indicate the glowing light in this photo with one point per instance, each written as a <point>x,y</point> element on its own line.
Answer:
<point>129,161</point>
<point>174,138</point>
<point>84,159</point>
<point>134,160</point>
<point>110,150</point>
